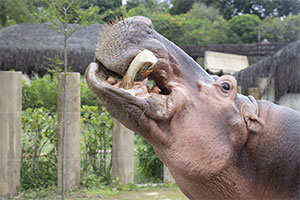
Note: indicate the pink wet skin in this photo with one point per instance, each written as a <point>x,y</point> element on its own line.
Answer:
<point>216,143</point>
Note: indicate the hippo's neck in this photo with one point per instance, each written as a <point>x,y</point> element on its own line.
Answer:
<point>232,183</point>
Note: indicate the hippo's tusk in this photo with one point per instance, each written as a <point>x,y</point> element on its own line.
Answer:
<point>140,67</point>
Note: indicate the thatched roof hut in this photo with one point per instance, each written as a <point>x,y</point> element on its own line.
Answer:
<point>283,66</point>
<point>24,46</point>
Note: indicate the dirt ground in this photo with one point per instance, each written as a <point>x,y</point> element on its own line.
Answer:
<point>157,194</point>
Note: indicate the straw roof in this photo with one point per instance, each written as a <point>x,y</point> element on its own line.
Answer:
<point>24,46</point>
<point>283,66</point>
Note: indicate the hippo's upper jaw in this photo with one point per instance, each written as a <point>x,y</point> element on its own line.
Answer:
<point>206,133</point>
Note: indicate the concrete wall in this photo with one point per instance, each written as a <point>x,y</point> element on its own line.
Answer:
<point>71,149</point>
<point>167,175</point>
<point>251,59</point>
<point>227,63</point>
<point>10,131</point>
<point>122,154</point>
<point>291,100</point>
<point>266,89</point>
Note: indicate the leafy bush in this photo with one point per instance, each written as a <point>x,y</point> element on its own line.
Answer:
<point>39,149</point>
<point>149,166</point>
<point>41,93</point>
<point>87,97</point>
<point>96,144</point>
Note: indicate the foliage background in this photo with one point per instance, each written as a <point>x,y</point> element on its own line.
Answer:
<point>185,22</point>
<point>39,139</point>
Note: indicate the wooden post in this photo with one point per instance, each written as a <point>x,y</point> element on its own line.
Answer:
<point>69,153</point>
<point>122,154</point>
<point>10,131</point>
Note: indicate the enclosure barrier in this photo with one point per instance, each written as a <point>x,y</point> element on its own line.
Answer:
<point>69,153</point>
<point>10,131</point>
<point>122,154</point>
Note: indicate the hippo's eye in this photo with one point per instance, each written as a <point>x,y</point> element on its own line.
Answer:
<point>225,86</point>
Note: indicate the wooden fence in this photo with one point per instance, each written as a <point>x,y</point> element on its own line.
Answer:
<point>257,49</point>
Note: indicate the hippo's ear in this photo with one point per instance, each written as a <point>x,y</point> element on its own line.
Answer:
<point>254,123</point>
<point>250,112</point>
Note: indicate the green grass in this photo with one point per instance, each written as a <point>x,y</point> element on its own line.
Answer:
<point>117,192</point>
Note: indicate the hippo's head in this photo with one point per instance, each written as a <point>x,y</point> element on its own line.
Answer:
<point>197,123</point>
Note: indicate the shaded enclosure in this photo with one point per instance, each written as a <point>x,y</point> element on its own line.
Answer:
<point>24,46</point>
<point>283,66</point>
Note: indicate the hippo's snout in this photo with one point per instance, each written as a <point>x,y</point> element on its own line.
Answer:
<point>121,42</point>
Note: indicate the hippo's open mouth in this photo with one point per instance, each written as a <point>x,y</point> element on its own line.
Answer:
<point>143,85</point>
<point>138,81</point>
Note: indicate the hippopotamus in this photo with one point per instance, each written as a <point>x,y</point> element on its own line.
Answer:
<point>217,144</point>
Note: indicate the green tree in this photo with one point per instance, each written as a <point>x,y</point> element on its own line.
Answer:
<point>282,8</point>
<point>65,12</point>
<point>244,29</point>
<point>201,25</point>
<point>273,29</point>
<point>202,11</point>
<point>133,4</point>
<point>204,32</point>
<point>77,14</point>
<point>169,26</point>
<point>261,8</point>
<point>140,10</point>
<point>109,10</point>
<point>281,30</point>
<point>292,28</point>
<point>179,6</point>
<point>104,5</point>
<point>16,11</point>
<point>148,6</point>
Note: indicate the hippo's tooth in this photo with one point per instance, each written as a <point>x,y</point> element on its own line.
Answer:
<point>139,69</point>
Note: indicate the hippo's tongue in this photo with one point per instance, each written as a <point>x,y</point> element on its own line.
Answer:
<point>140,67</point>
